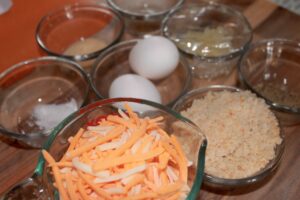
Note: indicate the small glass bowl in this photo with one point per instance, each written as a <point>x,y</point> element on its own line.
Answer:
<point>114,62</point>
<point>37,94</point>
<point>223,183</point>
<point>212,36</point>
<point>79,32</point>
<point>193,142</point>
<point>143,17</point>
<point>271,68</point>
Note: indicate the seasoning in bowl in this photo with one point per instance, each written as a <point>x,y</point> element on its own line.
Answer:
<point>242,133</point>
<point>279,93</point>
<point>122,156</point>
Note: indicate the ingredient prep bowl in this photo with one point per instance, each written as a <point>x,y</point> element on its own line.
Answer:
<point>189,137</point>
<point>114,62</point>
<point>79,32</point>
<point>271,69</point>
<point>144,17</point>
<point>38,94</point>
<point>212,36</point>
<point>245,141</point>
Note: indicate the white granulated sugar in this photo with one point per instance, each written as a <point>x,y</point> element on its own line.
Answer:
<point>241,131</point>
<point>49,115</point>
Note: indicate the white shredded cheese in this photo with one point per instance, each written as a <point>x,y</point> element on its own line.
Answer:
<point>135,147</point>
<point>123,114</point>
<point>126,180</point>
<point>122,175</point>
<point>102,130</point>
<point>147,147</point>
<point>157,180</point>
<point>65,170</point>
<point>115,190</point>
<point>171,174</point>
<point>88,169</point>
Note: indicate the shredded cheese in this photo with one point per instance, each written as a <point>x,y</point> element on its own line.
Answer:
<point>123,157</point>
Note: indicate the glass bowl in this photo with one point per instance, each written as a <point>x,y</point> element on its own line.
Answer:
<point>189,135</point>
<point>37,94</point>
<point>114,62</point>
<point>79,32</point>
<point>144,17</point>
<point>271,68</point>
<point>185,103</point>
<point>212,36</point>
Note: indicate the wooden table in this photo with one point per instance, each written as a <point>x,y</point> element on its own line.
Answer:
<point>17,43</point>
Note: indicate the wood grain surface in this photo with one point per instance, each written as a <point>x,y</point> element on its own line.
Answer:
<point>17,43</point>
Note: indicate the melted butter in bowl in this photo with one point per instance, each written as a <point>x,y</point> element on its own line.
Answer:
<point>79,32</point>
<point>210,42</point>
<point>85,46</point>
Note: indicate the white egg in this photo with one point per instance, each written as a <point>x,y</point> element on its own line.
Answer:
<point>135,86</point>
<point>155,57</point>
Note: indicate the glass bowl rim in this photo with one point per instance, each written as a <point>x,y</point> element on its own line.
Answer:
<point>129,44</point>
<point>211,59</point>
<point>262,43</point>
<point>219,182</point>
<point>21,64</point>
<point>38,172</point>
<point>137,16</point>
<point>203,90</point>
<point>75,7</point>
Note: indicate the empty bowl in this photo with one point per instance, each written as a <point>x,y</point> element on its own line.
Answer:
<point>114,62</point>
<point>245,140</point>
<point>38,94</point>
<point>212,36</point>
<point>143,17</point>
<point>271,68</point>
<point>79,32</point>
<point>190,138</point>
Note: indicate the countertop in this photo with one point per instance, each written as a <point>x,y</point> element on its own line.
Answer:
<point>17,43</point>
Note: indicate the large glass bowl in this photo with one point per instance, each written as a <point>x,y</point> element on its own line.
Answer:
<point>192,140</point>
<point>225,183</point>
<point>271,69</point>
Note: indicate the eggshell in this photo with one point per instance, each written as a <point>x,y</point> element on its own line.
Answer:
<point>135,86</point>
<point>155,57</point>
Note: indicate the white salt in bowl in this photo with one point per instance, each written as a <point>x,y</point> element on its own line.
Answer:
<point>38,94</point>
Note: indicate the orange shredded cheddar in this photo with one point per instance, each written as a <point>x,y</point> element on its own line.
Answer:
<point>163,160</point>
<point>115,133</point>
<point>82,191</point>
<point>121,157</point>
<point>70,188</point>
<point>57,175</point>
<point>138,178</point>
<point>181,163</point>
<point>74,141</point>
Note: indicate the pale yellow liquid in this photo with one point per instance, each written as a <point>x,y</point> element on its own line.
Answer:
<point>86,46</point>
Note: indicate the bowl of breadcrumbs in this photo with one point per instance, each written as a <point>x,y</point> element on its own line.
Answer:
<point>245,141</point>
